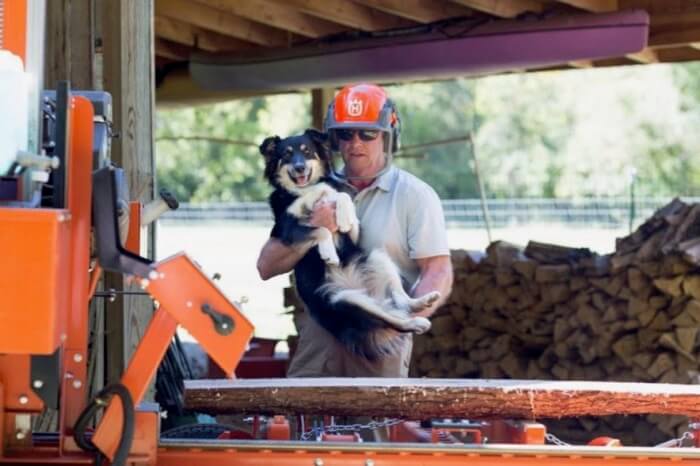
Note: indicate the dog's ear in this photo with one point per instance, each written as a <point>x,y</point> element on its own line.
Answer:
<point>269,146</point>
<point>321,140</point>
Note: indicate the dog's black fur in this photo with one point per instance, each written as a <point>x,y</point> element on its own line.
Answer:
<point>370,326</point>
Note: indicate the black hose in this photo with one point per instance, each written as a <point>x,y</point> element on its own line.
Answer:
<point>127,434</point>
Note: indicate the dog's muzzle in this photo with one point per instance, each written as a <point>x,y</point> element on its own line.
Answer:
<point>300,177</point>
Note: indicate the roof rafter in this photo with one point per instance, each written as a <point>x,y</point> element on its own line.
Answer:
<point>186,34</point>
<point>348,14</point>
<point>503,9</point>
<point>596,6</point>
<point>421,11</point>
<point>215,20</point>
<point>646,55</point>
<point>167,49</point>
<point>278,16</point>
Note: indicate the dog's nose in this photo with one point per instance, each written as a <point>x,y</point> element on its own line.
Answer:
<point>299,167</point>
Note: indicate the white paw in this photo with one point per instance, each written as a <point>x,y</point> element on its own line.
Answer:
<point>328,254</point>
<point>345,215</point>
<point>430,298</point>
<point>420,325</point>
<point>425,301</point>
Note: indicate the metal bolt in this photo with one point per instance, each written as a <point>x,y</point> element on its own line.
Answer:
<point>21,435</point>
<point>153,275</point>
<point>23,399</point>
<point>77,383</point>
<point>38,383</point>
<point>144,283</point>
<point>318,462</point>
<point>77,357</point>
<point>188,304</point>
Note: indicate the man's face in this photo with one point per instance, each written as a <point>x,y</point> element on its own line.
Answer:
<point>362,150</point>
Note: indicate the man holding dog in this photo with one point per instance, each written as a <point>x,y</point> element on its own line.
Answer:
<point>397,212</point>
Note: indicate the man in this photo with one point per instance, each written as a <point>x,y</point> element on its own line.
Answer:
<point>397,212</point>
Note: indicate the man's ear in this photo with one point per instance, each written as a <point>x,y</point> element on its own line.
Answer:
<point>269,146</point>
<point>321,140</point>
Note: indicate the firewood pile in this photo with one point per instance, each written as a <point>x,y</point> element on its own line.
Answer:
<point>558,313</point>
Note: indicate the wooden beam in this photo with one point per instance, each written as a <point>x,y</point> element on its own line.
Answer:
<point>679,54</point>
<point>420,11</point>
<point>218,21</point>
<point>503,9</point>
<point>348,14</point>
<point>645,56</point>
<point>166,49</point>
<point>129,76</point>
<point>186,34</point>
<point>596,6</point>
<point>440,398</point>
<point>670,39</point>
<point>277,15</point>
<point>320,99</point>
<point>582,64</point>
<point>70,39</point>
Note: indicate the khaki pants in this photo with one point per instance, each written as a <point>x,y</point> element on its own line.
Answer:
<point>319,354</point>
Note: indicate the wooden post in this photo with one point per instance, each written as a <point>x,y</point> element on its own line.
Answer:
<point>128,74</point>
<point>320,98</point>
<point>70,43</point>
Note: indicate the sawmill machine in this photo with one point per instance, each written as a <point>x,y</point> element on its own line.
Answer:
<point>65,217</point>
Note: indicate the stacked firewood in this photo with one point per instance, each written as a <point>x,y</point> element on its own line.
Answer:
<point>551,312</point>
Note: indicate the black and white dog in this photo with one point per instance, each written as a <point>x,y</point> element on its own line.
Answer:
<point>357,296</point>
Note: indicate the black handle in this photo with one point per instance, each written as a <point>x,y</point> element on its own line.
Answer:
<point>223,324</point>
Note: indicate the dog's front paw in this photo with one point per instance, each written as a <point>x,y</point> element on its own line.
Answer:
<point>420,325</point>
<point>345,215</point>
<point>425,301</point>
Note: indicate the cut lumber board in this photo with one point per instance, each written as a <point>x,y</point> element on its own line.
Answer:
<point>437,398</point>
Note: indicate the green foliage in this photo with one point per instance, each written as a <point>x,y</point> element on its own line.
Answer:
<point>218,170</point>
<point>552,134</point>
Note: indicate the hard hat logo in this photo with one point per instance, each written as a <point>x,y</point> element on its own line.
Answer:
<point>355,107</point>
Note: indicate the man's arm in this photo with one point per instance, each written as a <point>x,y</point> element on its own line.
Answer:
<point>277,258</point>
<point>435,275</point>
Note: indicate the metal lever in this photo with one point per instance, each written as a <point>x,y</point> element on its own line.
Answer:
<point>223,324</point>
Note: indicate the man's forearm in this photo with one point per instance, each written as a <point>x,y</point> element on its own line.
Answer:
<point>434,277</point>
<point>277,258</point>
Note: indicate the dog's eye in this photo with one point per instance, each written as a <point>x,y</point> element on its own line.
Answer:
<point>303,147</point>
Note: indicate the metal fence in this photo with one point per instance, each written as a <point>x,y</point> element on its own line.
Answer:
<point>467,213</point>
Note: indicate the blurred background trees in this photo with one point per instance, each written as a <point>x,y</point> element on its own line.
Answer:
<point>562,134</point>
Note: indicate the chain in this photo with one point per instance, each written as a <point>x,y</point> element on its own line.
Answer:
<point>336,428</point>
<point>551,438</point>
<point>676,442</point>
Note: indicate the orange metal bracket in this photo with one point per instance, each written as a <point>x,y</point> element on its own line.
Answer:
<point>183,292</point>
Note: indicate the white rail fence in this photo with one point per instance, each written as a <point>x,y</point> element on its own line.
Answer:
<point>467,213</point>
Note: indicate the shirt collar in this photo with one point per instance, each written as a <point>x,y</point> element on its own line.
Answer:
<point>385,181</point>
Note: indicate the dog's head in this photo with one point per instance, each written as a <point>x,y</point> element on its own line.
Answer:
<point>295,162</point>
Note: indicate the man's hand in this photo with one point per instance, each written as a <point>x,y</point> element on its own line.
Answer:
<point>323,215</point>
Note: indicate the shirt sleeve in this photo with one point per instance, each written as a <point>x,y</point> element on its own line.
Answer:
<point>427,234</point>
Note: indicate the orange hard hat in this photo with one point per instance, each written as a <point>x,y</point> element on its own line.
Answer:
<point>364,106</point>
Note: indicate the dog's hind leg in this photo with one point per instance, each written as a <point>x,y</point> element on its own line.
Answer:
<point>384,267</point>
<point>366,303</point>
